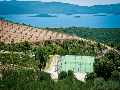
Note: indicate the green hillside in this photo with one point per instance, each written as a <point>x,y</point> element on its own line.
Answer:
<point>103,35</point>
<point>22,65</point>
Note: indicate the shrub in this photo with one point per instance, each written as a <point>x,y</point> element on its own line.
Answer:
<point>19,80</point>
<point>98,83</point>
<point>90,76</point>
<point>111,85</point>
<point>115,75</point>
<point>103,68</point>
<point>112,55</point>
<point>70,73</point>
<point>117,63</point>
<point>62,75</point>
<point>43,76</point>
<point>101,84</point>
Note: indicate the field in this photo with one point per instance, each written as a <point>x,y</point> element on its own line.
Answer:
<point>82,64</point>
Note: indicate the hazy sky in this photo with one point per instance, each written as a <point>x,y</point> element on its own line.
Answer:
<point>82,2</point>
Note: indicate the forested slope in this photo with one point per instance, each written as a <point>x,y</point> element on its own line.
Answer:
<point>103,35</point>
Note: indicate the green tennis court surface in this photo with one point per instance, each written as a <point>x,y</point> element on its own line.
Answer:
<point>82,64</point>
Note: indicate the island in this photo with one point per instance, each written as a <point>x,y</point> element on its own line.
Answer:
<point>117,14</point>
<point>77,16</point>
<point>99,15</point>
<point>68,14</point>
<point>44,15</point>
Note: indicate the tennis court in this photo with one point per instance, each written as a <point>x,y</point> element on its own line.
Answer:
<point>82,64</point>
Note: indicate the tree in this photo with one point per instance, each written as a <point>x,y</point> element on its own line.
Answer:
<point>118,46</point>
<point>103,68</point>
<point>62,75</point>
<point>25,46</point>
<point>112,55</point>
<point>101,84</point>
<point>99,46</point>
<point>90,76</point>
<point>111,44</point>
<point>42,56</point>
<point>117,63</point>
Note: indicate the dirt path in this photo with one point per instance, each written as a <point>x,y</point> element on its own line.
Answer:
<point>52,70</point>
<point>54,74</point>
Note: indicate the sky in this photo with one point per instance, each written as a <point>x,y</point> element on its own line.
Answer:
<point>81,2</point>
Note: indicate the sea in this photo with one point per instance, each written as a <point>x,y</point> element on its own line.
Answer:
<point>63,20</point>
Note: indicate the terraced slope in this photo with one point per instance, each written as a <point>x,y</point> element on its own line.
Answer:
<point>15,33</point>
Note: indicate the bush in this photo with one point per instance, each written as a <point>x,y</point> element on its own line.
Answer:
<point>70,73</point>
<point>90,76</point>
<point>98,83</point>
<point>62,75</point>
<point>111,85</point>
<point>101,84</point>
<point>103,68</point>
<point>115,75</point>
<point>112,55</point>
<point>43,76</point>
<point>19,80</point>
<point>117,63</point>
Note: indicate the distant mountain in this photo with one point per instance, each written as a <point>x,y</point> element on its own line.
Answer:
<point>37,7</point>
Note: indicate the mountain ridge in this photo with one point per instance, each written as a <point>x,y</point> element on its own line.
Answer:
<point>37,7</point>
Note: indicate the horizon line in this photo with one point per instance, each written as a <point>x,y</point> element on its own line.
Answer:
<point>53,1</point>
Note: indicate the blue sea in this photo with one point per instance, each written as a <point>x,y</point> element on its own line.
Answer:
<point>62,20</point>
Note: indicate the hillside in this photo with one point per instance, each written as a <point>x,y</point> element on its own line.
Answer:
<point>37,7</point>
<point>19,66</point>
<point>103,35</point>
<point>15,33</point>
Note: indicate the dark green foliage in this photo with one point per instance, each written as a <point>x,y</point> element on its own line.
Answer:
<point>17,59</point>
<point>42,56</point>
<point>90,76</point>
<point>36,80</point>
<point>115,75</point>
<point>73,47</point>
<point>66,47</point>
<point>43,76</point>
<point>70,73</point>
<point>98,83</point>
<point>16,47</point>
<point>103,68</point>
<point>113,56</point>
<point>118,46</point>
<point>117,63</point>
<point>101,84</point>
<point>111,44</point>
<point>107,66</point>
<point>21,79</point>
<point>62,75</point>
<point>25,46</point>
<point>103,35</point>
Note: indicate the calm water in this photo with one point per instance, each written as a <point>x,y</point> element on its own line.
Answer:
<point>86,20</point>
